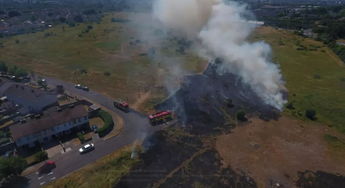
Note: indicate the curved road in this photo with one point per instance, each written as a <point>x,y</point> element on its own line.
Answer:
<point>136,127</point>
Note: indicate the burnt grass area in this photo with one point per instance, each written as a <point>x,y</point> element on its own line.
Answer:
<point>185,160</point>
<point>183,155</point>
<point>169,149</point>
<point>207,102</point>
<point>319,179</point>
<point>205,170</point>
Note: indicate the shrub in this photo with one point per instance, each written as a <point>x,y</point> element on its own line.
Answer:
<point>241,116</point>
<point>40,156</point>
<point>108,123</point>
<point>16,71</point>
<point>290,106</point>
<point>310,114</point>
<point>107,73</point>
<point>81,137</point>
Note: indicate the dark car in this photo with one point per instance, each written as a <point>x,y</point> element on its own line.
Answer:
<point>47,167</point>
<point>85,88</point>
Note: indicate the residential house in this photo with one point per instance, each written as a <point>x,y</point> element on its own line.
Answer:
<point>51,125</point>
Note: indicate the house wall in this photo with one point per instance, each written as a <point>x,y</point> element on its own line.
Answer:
<point>48,133</point>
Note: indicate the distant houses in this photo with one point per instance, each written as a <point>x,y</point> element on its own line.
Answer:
<point>51,125</point>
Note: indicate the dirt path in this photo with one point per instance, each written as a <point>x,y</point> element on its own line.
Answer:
<point>141,99</point>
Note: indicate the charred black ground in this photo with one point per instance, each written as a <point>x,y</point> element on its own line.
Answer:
<point>210,100</point>
<point>319,179</point>
<point>179,159</point>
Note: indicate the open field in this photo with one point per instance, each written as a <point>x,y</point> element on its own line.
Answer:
<point>277,150</point>
<point>107,56</point>
<point>315,76</point>
<point>103,173</point>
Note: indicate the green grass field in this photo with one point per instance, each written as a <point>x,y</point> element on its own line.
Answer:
<point>315,76</point>
<point>114,66</point>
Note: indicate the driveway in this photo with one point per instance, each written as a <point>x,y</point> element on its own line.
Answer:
<point>136,127</point>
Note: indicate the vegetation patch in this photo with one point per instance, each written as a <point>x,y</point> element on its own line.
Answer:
<point>335,142</point>
<point>11,166</point>
<point>102,174</point>
<point>108,123</point>
<point>37,157</point>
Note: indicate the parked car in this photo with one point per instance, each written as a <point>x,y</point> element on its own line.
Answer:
<point>85,88</point>
<point>86,148</point>
<point>78,86</point>
<point>47,167</point>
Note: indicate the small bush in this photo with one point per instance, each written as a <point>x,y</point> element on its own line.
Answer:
<point>310,114</point>
<point>241,116</point>
<point>81,137</point>
<point>107,73</point>
<point>290,106</point>
<point>40,156</point>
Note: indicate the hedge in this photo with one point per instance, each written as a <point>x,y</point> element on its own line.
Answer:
<point>108,123</point>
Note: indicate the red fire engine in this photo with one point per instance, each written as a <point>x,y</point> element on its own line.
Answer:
<point>160,117</point>
<point>122,105</point>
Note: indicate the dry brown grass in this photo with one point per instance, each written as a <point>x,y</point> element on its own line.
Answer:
<point>277,150</point>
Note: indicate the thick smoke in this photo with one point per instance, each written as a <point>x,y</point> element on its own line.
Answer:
<point>222,30</point>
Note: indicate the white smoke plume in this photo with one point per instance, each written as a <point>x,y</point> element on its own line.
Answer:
<point>222,30</point>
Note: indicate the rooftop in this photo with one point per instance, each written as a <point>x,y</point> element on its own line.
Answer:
<point>47,121</point>
<point>32,100</point>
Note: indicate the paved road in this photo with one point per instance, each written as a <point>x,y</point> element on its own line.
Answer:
<point>136,127</point>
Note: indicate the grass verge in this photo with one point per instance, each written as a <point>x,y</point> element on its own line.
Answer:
<point>101,174</point>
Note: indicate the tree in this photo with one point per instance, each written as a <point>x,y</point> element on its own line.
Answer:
<point>310,114</point>
<point>12,166</point>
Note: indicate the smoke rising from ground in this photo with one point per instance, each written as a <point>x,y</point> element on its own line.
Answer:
<point>222,30</point>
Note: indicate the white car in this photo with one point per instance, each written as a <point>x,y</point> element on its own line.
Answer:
<point>78,86</point>
<point>87,148</point>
